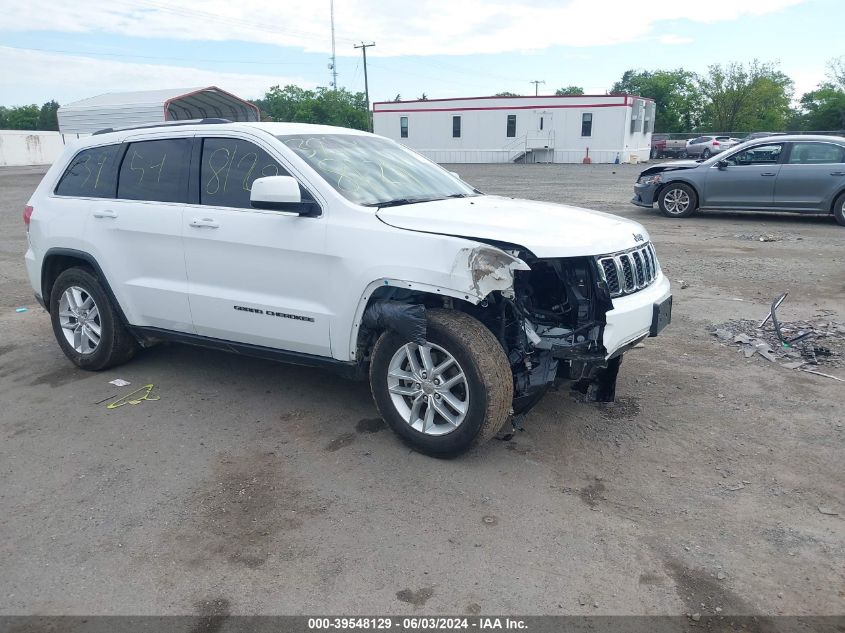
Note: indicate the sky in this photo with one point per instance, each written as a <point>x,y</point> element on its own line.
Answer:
<point>443,48</point>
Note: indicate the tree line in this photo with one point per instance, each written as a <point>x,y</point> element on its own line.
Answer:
<point>735,97</point>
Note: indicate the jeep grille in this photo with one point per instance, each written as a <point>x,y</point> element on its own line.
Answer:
<point>629,271</point>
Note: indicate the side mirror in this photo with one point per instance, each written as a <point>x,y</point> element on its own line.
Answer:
<point>281,193</point>
<point>455,174</point>
<point>722,164</point>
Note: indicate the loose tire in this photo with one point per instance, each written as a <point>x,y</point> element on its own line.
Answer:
<point>448,396</point>
<point>706,154</point>
<point>86,324</point>
<point>677,200</point>
<point>839,209</point>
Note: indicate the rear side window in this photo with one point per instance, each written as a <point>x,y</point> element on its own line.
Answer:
<point>228,169</point>
<point>816,154</point>
<point>91,174</point>
<point>155,170</point>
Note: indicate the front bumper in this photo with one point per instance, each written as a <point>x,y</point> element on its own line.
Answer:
<point>633,316</point>
<point>644,195</point>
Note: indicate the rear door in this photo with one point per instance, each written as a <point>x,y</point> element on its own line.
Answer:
<point>255,276</point>
<point>813,173</point>
<point>137,236</point>
<point>747,179</point>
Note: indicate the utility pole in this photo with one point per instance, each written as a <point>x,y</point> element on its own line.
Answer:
<point>333,65</point>
<point>537,83</point>
<point>364,48</point>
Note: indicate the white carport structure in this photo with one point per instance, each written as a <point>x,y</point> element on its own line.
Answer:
<point>127,109</point>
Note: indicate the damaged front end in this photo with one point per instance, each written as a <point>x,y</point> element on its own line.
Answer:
<point>550,322</point>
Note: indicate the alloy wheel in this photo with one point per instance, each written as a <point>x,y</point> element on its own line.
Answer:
<point>428,388</point>
<point>79,318</point>
<point>676,201</point>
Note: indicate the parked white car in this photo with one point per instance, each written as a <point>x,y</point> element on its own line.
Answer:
<point>337,248</point>
<point>705,146</point>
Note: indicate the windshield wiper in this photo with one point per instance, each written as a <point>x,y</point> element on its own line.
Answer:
<point>398,202</point>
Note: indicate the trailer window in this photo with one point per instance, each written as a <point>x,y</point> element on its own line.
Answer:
<point>403,127</point>
<point>456,127</point>
<point>511,125</point>
<point>587,124</point>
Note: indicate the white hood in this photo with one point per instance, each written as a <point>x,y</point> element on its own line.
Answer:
<point>544,228</point>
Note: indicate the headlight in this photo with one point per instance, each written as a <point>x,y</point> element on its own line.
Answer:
<point>651,179</point>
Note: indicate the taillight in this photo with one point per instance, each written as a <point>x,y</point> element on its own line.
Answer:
<point>715,143</point>
<point>27,215</point>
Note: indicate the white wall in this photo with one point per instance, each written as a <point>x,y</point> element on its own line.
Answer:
<point>484,128</point>
<point>24,147</point>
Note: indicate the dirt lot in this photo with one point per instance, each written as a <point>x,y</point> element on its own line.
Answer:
<point>274,489</point>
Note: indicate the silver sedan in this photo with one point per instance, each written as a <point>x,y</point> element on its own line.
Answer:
<point>803,174</point>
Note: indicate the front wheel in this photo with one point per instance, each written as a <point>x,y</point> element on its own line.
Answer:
<point>839,209</point>
<point>677,200</point>
<point>86,324</point>
<point>448,395</point>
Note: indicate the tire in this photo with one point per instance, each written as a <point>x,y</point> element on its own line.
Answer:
<point>839,209</point>
<point>706,154</point>
<point>79,305</point>
<point>653,153</point>
<point>677,200</point>
<point>486,385</point>
<point>683,155</point>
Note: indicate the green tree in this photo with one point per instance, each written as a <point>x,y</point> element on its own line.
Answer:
<point>675,92</point>
<point>48,116</point>
<point>323,105</point>
<point>506,94</point>
<point>744,98</point>
<point>568,91</point>
<point>836,72</point>
<point>4,118</point>
<point>23,117</point>
<point>823,109</point>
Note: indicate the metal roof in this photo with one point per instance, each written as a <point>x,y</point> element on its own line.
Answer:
<point>127,109</point>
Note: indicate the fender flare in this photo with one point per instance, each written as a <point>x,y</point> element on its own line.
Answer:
<point>88,259</point>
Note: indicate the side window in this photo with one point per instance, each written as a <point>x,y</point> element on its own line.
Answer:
<point>456,127</point>
<point>511,131</point>
<point>587,124</point>
<point>91,174</point>
<point>403,126</point>
<point>155,170</point>
<point>229,167</point>
<point>759,155</point>
<point>816,154</point>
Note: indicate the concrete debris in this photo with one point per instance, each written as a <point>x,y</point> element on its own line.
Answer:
<point>828,511</point>
<point>721,576</point>
<point>823,347</point>
<point>684,284</point>
<point>695,617</point>
<point>735,487</point>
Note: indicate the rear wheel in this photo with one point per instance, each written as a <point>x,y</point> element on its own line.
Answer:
<point>677,200</point>
<point>706,153</point>
<point>86,324</point>
<point>839,209</point>
<point>448,395</point>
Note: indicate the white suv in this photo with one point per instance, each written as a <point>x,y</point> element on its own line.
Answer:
<point>336,248</point>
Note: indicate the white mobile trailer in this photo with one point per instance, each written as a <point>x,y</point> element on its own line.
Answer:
<point>544,129</point>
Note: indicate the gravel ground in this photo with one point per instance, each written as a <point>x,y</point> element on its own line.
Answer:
<point>714,481</point>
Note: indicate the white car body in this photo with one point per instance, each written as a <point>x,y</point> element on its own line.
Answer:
<point>181,268</point>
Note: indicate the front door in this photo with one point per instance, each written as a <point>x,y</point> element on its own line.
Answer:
<point>254,276</point>
<point>812,174</point>
<point>744,179</point>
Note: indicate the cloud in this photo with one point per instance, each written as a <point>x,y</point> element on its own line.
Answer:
<point>34,76</point>
<point>672,39</point>
<point>424,27</point>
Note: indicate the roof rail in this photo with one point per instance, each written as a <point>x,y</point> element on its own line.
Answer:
<point>164,124</point>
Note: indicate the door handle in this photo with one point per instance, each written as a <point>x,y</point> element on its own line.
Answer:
<point>205,223</point>
<point>837,173</point>
<point>106,213</point>
<point>768,173</point>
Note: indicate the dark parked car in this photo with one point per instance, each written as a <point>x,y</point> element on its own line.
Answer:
<point>805,174</point>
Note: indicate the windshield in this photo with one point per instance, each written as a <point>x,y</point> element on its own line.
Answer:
<point>375,171</point>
